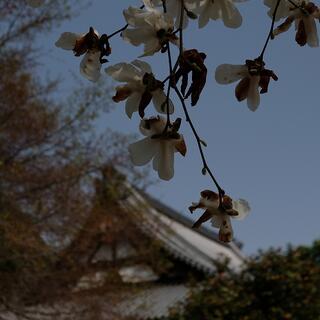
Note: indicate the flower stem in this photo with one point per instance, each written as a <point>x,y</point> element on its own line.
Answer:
<point>170,75</point>
<point>172,84</point>
<point>169,88</point>
<point>199,143</point>
<point>118,31</point>
<point>270,34</point>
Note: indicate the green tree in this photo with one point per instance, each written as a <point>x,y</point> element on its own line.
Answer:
<point>274,285</point>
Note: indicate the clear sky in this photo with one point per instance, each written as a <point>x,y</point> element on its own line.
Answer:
<point>270,157</point>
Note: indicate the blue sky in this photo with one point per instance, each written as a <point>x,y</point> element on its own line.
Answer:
<point>270,157</point>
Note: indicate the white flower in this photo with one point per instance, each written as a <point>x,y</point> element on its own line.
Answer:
<point>35,3</point>
<point>220,214</point>
<point>139,85</point>
<point>174,9</point>
<point>219,9</point>
<point>252,75</point>
<point>158,146</point>
<point>305,24</point>
<point>282,11</point>
<point>92,46</point>
<point>150,27</point>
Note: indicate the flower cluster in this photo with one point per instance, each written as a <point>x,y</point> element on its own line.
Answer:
<point>252,75</point>
<point>92,46</point>
<point>304,16</point>
<point>150,27</point>
<point>158,146</point>
<point>140,88</point>
<point>220,212</point>
<point>204,11</point>
<point>302,13</point>
<point>219,9</point>
<point>157,25</point>
<point>283,10</point>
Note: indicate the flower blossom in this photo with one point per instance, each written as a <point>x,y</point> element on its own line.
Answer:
<point>304,18</point>
<point>92,46</point>
<point>150,27</point>
<point>139,89</point>
<point>219,9</point>
<point>252,75</point>
<point>282,11</point>
<point>174,9</point>
<point>220,214</point>
<point>158,146</point>
<point>35,3</point>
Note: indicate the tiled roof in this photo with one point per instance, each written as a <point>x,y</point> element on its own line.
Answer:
<point>199,248</point>
<point>154,302</point>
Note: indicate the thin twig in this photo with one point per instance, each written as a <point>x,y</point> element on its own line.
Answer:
<point>188,118</point>
<point>181,27</point>
<point>180,30</point>
<point>169,87</point>
<point>118,31</point>
<point>270,34</point>
<point>167,102</point>
<point>199,143</point>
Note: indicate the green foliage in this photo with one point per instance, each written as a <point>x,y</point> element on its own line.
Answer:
<point>273,285</point>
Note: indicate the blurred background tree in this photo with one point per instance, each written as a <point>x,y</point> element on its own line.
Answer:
<point>50,158</point>
<point>273,285</point>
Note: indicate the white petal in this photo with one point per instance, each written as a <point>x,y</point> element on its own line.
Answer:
<point>205,15</point>
<point>149,4</point>
<point>163,161</point>
<point>283,9</point>
<point>135,17</point>
<point>90,66</point>
<point>138,36</point>
<point>228,73</point>
<point>160,21</point>
<point>142,65</point>
<point>243,207</point>
<point>67,40</point>
<point>174,9</point>
<point>213,205</point>
<point>141,152</point>
<point>215,10</point>
<point>311,31</point>
<point>159,100</point>
<point>151,47</point>
<point>216,220</point>
<point>230,15</point>
<point>124,72</point>
<point>253,99</point>
<point>132,103</point>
